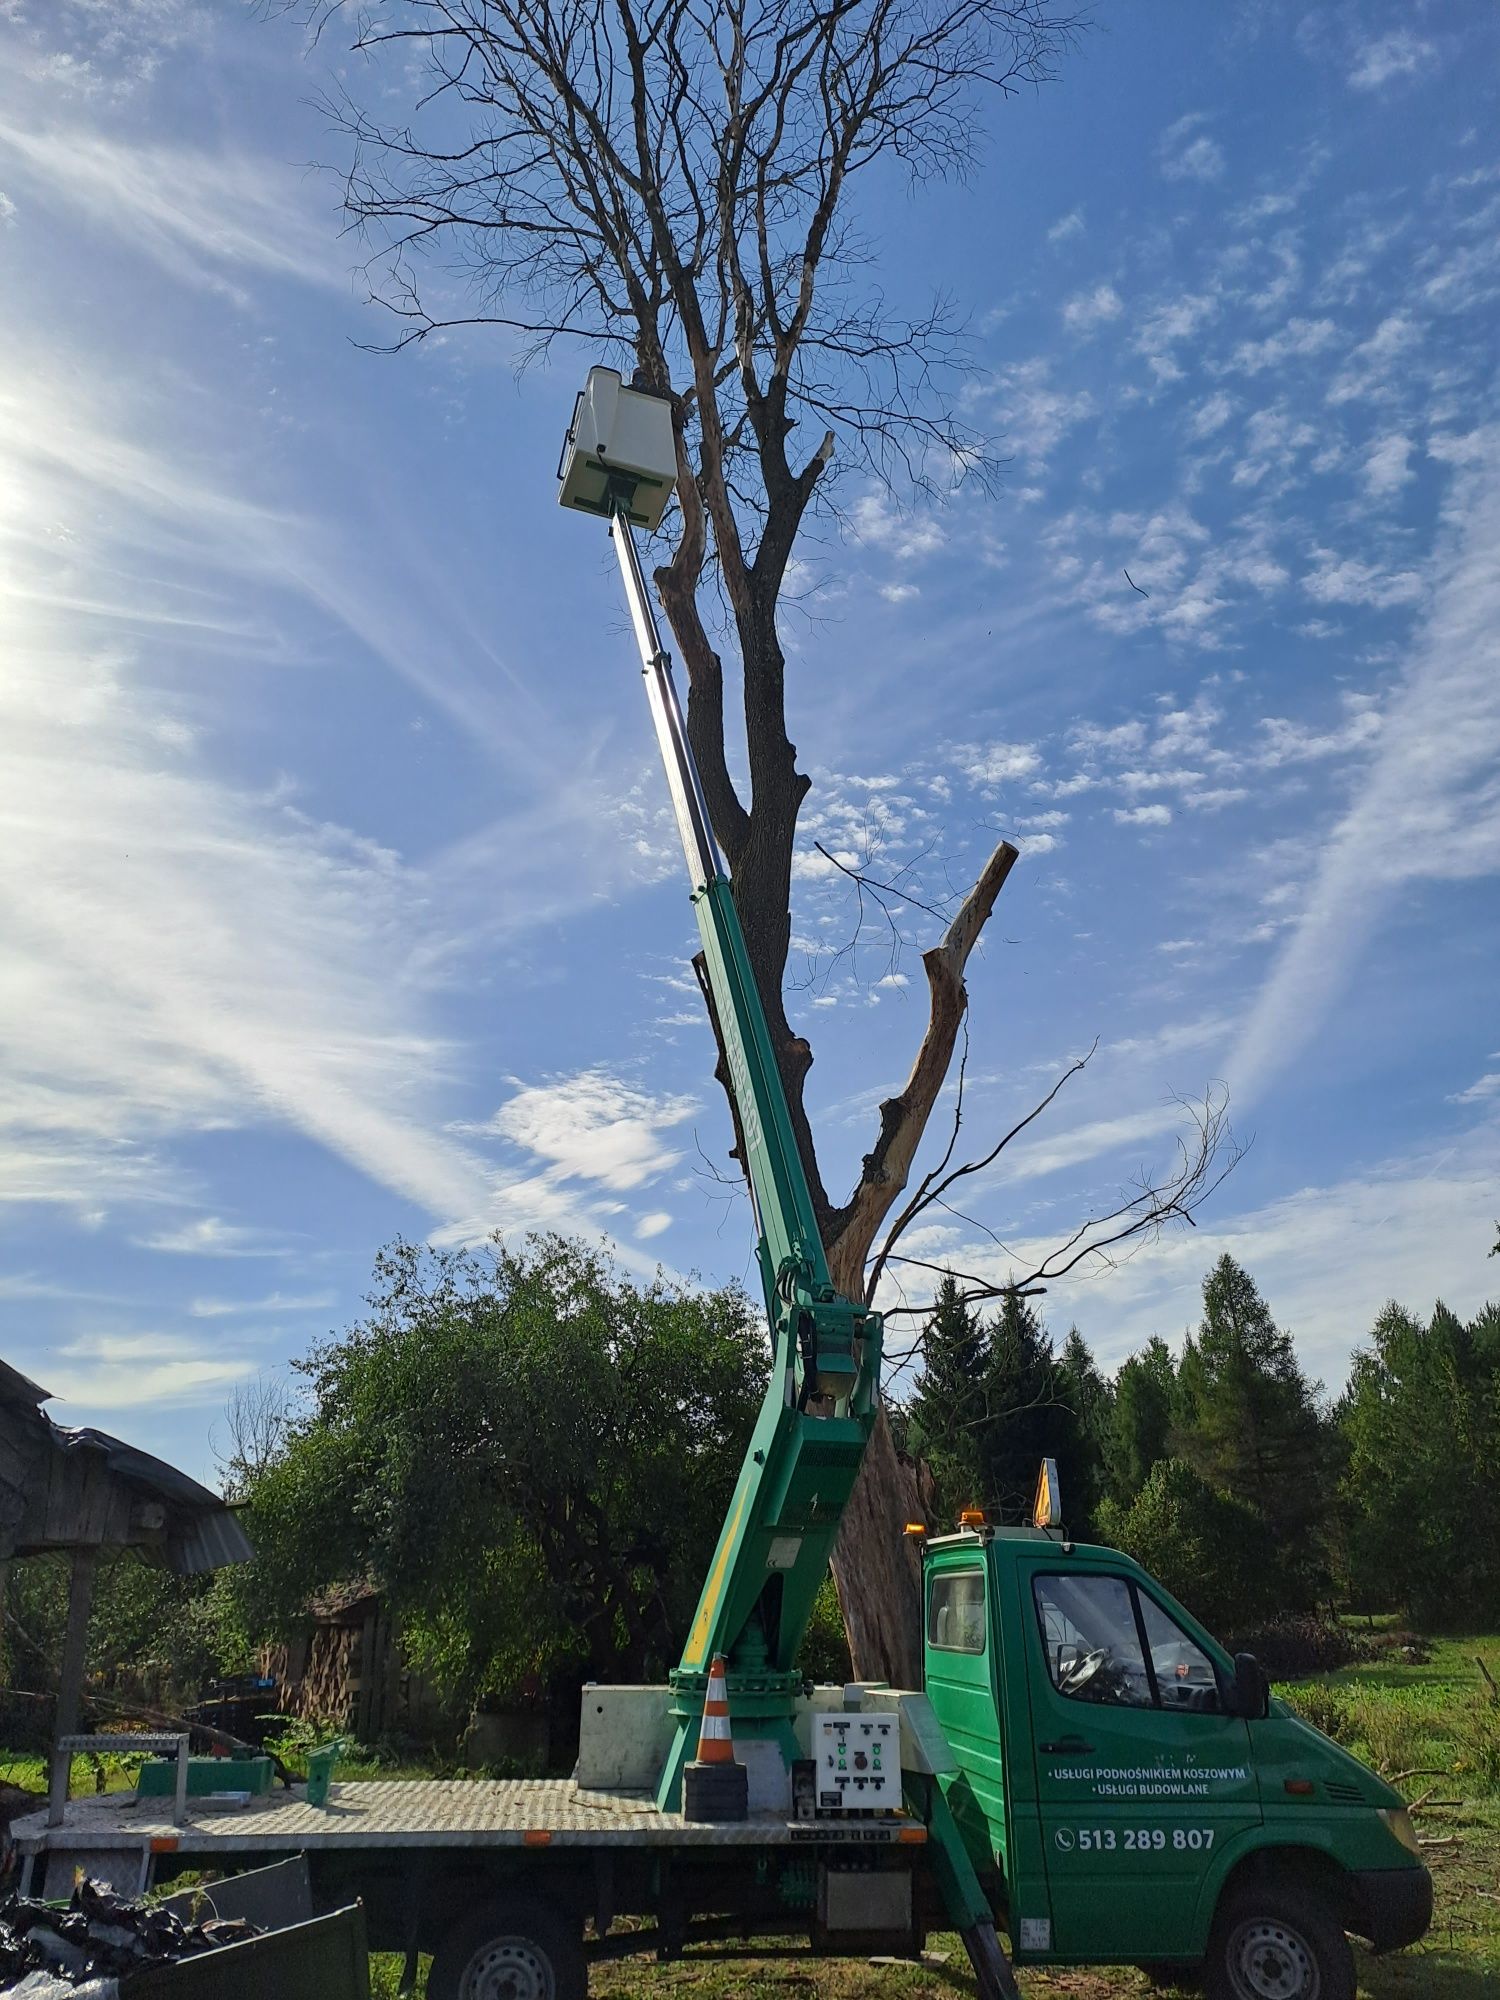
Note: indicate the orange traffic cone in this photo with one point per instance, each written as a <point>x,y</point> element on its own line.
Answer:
<point>714,1786</point>
<point>715,1743</point>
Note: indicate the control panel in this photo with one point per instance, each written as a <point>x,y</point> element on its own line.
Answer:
<point>858,1762</point>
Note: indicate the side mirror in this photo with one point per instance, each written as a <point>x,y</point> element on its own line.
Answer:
<point>1250,1693</point>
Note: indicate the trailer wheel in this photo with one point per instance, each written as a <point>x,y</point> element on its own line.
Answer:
<point>1274,1942</point>
<point>511,1950</point>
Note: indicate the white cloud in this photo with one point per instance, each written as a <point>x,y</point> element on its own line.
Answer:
<point>1187,153</point>
<point>271,1307</point>
<point>1157,815</point>
<point>1429,808</point>
<point>1067,227</point>
<point>209,1236</point>
<point>653,1224</point>
<point>997,763</point>
<point>1386,468</point>
<point>1372,365</point>
<point>594,1126</point>
<point>1120,738</point>
<point>1086,310</point>
<point>1480,1091</point>
<point>1285,742</point>
<point>1299,337</point>
<point>1347,580</point>
<point>899,593</point>
<point>1400,53</point>
<point>880,522</point>
<point>1034,415</point>
<point>1215,798</point>
<point>7,211</point>
<point>1211,415</point>
<point>1176,319</point>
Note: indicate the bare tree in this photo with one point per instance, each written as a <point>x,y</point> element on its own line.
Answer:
<point>671,182</point>
<point>257,1420</point>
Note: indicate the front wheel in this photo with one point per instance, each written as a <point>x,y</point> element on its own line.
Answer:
<point>510,1951</point>
<point>1273,1942</point>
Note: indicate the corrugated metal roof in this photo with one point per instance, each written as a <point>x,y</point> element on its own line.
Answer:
<point>56,1483</point>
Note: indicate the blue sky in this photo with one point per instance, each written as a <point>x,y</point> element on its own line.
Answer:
<point>337,886</point>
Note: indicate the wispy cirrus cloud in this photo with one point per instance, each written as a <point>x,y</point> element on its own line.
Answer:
<point>111,1371</point>
<point>1429,809</point>
<point>188,952</point>
<point>203,217</point>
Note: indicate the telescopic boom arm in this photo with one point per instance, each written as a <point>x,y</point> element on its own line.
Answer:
<point>825,1349</point>
<point>619,464</point>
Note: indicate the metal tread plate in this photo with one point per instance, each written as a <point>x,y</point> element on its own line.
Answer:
<point>432,1812</point>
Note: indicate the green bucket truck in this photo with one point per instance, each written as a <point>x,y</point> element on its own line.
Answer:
<point>1086,1767</point>
<point>1127,1791</point>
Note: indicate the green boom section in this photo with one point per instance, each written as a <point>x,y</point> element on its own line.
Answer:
<point>810,1437</point>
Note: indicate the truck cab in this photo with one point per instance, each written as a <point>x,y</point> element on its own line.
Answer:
<point>1127,1791</point>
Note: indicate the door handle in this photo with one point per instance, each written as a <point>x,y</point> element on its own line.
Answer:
<point>1067,1746</point>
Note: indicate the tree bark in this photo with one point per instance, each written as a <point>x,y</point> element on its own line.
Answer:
<point>877,1566</point>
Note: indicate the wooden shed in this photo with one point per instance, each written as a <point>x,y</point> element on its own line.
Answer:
<point>346,1668</point>
<point>80,1491</point>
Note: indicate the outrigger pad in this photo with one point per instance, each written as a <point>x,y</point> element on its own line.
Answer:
<point>715,1792</point>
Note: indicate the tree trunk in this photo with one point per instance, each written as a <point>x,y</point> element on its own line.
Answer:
<point>877,1567</point>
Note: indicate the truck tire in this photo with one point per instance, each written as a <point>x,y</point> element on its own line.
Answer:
<point>510,1950</point>
<point>1272,1941</point>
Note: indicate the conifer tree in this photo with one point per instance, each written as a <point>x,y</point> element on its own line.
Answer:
<point>1421,1419</point>
<point>945,1415</point>
<point>1247,1421</point>
<point>1090,1399</point>
<point>1145,1393</point>
<point>1022,1418</point>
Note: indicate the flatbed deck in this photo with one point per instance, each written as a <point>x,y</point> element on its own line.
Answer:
<point>427,1812</point>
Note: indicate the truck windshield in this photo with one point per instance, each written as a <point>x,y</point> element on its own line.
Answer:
<point>1106,1641</point>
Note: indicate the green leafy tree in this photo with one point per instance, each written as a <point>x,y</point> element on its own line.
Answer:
<point>1247,1420</point>
<point>1421,1422</point>
<point>1212,1552</point>
<point>1140,1430</point>
<point>531,1455</point>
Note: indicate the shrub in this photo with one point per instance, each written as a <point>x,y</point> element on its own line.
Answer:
<point>1394,1734</point>
<point>1291,1648</point>
<point>1476,1735</point>
<point>1325,1708</point>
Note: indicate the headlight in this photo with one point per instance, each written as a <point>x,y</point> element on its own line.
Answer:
<point>1398,1822</point>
